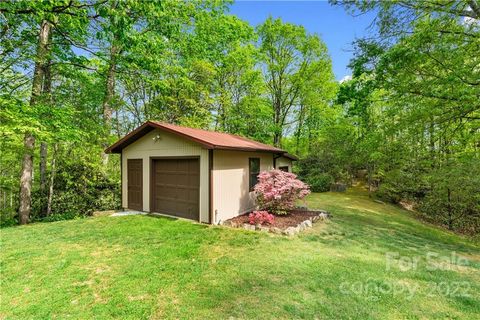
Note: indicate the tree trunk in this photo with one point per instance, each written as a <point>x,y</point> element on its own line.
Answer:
<point>117,125</point>
<point>310,139</point>
<point>26,180</point>
<point>298,132</point>
<point>277,137</point>
<point>46,91</point>
<point>109,94</point>
<point>25,198</point>
<point>41,61</point>
<point>43,176</point>
<point>52,179</point>
<point>110,86</point>
<point>369,176</point>
<point>431,133</point>
<point>43,166</point>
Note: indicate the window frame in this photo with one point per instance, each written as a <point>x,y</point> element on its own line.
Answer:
<point>250,185</point>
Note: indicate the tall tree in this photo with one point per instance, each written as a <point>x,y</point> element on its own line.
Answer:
<point>290,58</point>
<point>414,102</point>
<point>41,61</point>
<point>45,15</point>
<point>118,21</point>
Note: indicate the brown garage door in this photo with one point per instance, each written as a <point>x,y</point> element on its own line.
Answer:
<point>175,187</point>
<point>135,184</point>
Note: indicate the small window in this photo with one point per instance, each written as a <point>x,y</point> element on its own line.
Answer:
<point>283,168</point>
<point>254,171</point>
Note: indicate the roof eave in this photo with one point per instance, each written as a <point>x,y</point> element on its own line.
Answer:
<point>148,126</point>
<point>181,134</point>
<point>227,148</point>
<point>118,146</point>
<point>290,156</point>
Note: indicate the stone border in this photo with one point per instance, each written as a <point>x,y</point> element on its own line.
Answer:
<point>290,231</point>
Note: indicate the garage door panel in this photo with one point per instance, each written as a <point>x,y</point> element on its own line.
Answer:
<point>193,179</point>
<point>182,179</point>
<point>178,179</point>
<point>193,195</point>
<point>192,166</point>
<point>176,186</point>
<point>177,208</point>
<point>182,166</point>
<point>135,184</point>
<point>166,193</point>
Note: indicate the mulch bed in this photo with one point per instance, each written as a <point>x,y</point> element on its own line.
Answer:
<point>292,219</point>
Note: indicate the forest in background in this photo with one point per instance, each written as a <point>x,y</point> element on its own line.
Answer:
<point>77,75</point>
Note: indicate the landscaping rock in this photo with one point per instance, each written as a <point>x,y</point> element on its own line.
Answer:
<point>324,215</point>
<point>302,221</point>
<point>290,231</point>
<point>248,226</point>
<point>308,223</point>
<point>276,230</point>
<point>264,229</point>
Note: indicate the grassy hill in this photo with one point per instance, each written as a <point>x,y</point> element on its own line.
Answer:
<point>370,261</point>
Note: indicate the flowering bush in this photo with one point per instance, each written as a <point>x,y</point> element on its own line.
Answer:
<point>261,217</point>
<point>277,191</point>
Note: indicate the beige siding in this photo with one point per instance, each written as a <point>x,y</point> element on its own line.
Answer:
<point>168,145</point>
<point>282,162</point>
<point>231,196</point>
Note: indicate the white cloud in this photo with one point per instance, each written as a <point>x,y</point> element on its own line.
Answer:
<point>346,78</point>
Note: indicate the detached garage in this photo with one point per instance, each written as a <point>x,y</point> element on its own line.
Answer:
<point>192,173</point>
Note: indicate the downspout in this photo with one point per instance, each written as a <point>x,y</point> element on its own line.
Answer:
<point>121,180</point>
<point>211,218</point>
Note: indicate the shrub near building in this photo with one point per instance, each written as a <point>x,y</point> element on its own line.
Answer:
<point>278,191</point>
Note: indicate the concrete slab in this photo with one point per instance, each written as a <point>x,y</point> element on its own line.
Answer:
<point>128,213</point>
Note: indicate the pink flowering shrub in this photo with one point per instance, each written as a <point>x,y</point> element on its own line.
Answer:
<point>261,217</point>
<point>277,191</point>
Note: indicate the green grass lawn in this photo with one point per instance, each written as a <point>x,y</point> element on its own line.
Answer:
<point>145,267</point>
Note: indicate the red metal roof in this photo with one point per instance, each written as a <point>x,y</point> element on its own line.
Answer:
<point>208,139</point>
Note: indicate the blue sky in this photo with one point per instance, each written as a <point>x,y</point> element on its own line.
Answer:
<point>336,28</point>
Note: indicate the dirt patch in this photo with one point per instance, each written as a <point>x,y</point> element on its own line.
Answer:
<point>292,219</point>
